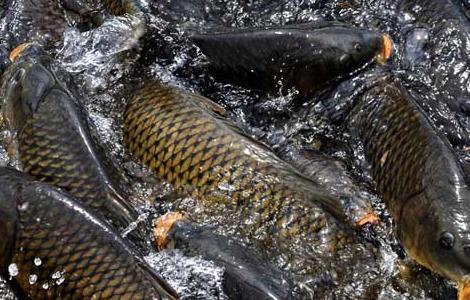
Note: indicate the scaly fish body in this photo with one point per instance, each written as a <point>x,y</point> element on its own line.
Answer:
<point>54,248</point>
<point>304,56</point>
<point>54,141</point>
<point>418,176</point>
<point>175,134</point>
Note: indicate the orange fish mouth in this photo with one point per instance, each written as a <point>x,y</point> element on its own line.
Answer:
<point>386,50</point>
<point>368,218</point>
<point>17,51</point>
<point>464,291</point>
<point>162,227</point>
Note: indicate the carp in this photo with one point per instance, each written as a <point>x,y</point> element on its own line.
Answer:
<point>449,35</point>
<point>44,21</point>
<point>419,178</point>
<point>181,137</point>
<point>55,248</point>
<point>52,137</point>
<point>246,274</point>
<point>304,57</point>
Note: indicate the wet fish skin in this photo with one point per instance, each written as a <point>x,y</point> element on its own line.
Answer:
<point>333,174</point>
<point>53,138</point>
<point>177,135</point>
<point>246,274</point>
<point>73,254</point>
<point>303,56</point>
<point>418,176</point>
<point>44,21</point>
<point>41,21</point>
<point>448,48</point>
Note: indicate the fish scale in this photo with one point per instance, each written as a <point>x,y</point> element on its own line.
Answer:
<point>204,156</point>
<point>398,132</point>
<point>419,177</point>
<point>55,143</point>
<point>71,254</point>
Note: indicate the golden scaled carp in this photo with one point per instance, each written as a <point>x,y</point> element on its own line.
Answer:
<point>54,248</point>
<point>180,136</point>
<point>52,138</point>
<point>419,178</point>
<point>301,56</point>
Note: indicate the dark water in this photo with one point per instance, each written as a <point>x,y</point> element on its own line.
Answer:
<point>367,268</point>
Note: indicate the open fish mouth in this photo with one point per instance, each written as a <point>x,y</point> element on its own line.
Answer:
<point>464,290</point>
<point>386,50</point>
<point>15,53</point>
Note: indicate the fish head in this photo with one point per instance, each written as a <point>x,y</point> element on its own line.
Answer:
<point>349,47</point>
<point>436,231</point>
<point>25,83</point>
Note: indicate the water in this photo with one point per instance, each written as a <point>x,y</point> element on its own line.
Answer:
<point>105,60</point>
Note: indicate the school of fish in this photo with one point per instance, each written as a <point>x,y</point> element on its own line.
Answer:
<point>345,131</point>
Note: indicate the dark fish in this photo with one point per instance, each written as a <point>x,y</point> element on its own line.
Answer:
<point>304,56</point>
<point>246,274</point>
<point>181,137</point>
<point>449,35</point>
<point>53,140</point>
<point>44,21</point>
<point>54,248</point>
<point>419,178</point>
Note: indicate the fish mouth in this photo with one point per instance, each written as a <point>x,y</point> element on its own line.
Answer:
<point>369,218</point>
<point>163,226</point>
<point>386,50</point>
<point>15,53</point>
<point>464,290</point>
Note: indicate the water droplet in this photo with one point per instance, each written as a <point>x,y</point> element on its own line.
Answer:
<point>13,270</point>
<point>33,278</point>
<point>56,275</point>
<point>37,261</point>
<point>60,280</point>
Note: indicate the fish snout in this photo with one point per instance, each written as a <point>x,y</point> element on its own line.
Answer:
<point>26,50</point>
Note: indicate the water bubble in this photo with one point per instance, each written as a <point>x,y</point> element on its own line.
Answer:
<point>13,270</point>
<point>37,261</point>
<point>33,278</point>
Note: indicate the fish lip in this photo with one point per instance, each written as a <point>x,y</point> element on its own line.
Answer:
<point>162,227</point>
<point>16,53</point>
<point>464,288</point>
<point>386,49</point>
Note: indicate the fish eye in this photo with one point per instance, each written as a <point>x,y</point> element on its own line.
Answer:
<point>357,47</point>
<point>446,241</point>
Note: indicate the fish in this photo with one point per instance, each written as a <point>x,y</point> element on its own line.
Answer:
<point>55,248</point>
<point>300,57</point>
<point>53,139</point>
<point>333,174</point>
<point>246,274</point>
<point>447,56</point>
<point>182,138</point>
<point>419,177</point>
<point>44,21</point>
